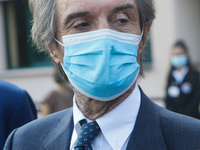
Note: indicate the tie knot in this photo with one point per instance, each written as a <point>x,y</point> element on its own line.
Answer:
<point>87,134</point>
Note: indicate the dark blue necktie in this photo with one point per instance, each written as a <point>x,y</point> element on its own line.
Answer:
<point>86,136</point>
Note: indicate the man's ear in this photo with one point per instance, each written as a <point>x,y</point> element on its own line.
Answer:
<point>145,34</point>
<point>54,54</point>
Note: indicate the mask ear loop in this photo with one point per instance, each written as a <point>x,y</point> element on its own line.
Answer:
<point>61,45</point>
<point>141,36</point>
<point>59,42</point>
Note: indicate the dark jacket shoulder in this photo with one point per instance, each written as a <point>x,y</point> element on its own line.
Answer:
<point>42,132</point>
<point>45,124</point>
<point>159,128</point>
<point>180,131</point>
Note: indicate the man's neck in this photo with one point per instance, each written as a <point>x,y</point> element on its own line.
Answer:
<point>93,109</point>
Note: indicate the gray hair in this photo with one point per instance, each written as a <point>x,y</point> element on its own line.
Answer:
<point>44,20</point>
<point>146,10</point>
<point>43,23</point>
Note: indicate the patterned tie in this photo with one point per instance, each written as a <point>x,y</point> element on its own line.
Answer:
<point>86,136</point>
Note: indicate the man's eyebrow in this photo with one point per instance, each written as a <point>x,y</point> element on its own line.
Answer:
<point>85,13</point>
<point>76,15</point>
<point>123,7</point>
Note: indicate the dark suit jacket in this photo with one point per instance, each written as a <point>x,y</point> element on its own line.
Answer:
<point>16,109</point>
<point>156,129</point>
<point>185,103</point>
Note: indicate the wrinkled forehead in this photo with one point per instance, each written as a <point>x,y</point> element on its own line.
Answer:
<point>69,6</point>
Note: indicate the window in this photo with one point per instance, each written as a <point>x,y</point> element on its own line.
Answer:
<point>147,56</point>
<point>20,51</point>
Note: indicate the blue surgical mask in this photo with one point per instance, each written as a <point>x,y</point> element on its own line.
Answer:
<point>101,64</point>
<point>178,61</point>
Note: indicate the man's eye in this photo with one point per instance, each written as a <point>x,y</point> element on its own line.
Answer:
<point>82,25</point>
<point>122,21</point>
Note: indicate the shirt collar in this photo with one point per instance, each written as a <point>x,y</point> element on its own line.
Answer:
<point>180,75</point>
<point>121,119</point>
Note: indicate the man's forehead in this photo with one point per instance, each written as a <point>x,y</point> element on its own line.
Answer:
<point>66,6</point>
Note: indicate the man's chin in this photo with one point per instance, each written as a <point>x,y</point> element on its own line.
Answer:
<point>78,94</point>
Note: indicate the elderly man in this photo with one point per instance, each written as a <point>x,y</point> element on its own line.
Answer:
<point>97,44</point>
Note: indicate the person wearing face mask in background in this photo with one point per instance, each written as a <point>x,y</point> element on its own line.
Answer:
<point>183,83</point>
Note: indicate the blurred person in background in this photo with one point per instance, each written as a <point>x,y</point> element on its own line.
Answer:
<point>16,109</point>
<point>183,83</point>
<point>59,99</point>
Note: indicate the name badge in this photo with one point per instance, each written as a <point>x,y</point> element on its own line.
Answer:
<point>173,91</point>
<point>186,88</point>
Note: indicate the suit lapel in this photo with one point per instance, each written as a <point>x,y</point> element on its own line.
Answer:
<point>147,133</point>
<point>60,135</point>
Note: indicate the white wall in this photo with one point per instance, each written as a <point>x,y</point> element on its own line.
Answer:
<point>162,39</point>
<point>38,82</point>
<point>187,21</point>
<point>175,19</point>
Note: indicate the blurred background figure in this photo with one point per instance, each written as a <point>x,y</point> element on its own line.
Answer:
<point>16,109</point>
<point>59,99</point>
<point>183,83</point>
